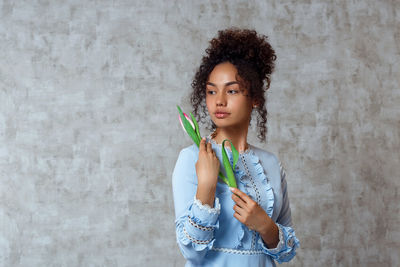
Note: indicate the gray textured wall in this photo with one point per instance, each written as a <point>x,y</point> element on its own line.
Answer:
<point>89,136</point>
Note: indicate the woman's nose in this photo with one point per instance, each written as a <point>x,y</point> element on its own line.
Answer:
<point>221,99</point>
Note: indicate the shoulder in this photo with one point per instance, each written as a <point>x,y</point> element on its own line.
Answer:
<point>188,156</point>
<point>189,152</point>
<point>185,167</point>
<point>271,163</point>
<point>266,156</point>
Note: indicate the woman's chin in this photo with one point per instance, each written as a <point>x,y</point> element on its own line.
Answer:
<point>222,125</point>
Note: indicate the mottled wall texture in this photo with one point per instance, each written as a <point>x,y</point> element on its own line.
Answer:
<point>89,134</point>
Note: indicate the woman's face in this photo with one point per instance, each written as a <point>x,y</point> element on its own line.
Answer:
<point>227,103</point>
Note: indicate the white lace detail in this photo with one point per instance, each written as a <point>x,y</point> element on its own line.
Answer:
<point>194,240</point>
<point>258,198</point>
<point>281,243</point>
<point>207,207</point>
<point>248,150</point>
<point>198,226</point>
<point>239,251</point>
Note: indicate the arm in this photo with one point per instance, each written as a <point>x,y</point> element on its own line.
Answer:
<point>288,242</point>
<point>196,208</point>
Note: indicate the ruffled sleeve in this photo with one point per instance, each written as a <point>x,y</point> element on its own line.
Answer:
<point>286,248</point>
<point>197,228</point>
<point>195,222</point>
<point>288,242</point>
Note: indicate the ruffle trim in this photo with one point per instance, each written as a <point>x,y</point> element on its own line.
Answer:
<point>185,238</point>
<point>241,176</point>
<point>280,245</point>
<point>206,207</point>
<point>240,236</point>
<point>269,205</point>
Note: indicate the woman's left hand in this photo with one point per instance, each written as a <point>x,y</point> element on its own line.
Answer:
<point>248,212</point>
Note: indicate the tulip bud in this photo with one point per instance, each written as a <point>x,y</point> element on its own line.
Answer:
<point>189,120</point>
<point>190,127</point>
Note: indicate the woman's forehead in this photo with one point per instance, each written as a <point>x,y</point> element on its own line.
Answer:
<point>223,73</point>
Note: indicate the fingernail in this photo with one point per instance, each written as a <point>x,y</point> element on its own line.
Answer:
<point>231,188</point>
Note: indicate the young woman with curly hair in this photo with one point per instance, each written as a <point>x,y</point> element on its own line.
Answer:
<point>217,225</point>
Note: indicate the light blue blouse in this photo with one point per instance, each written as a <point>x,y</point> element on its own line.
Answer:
<point>211,236</point>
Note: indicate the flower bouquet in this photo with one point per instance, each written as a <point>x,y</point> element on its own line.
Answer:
<point>190,126</point>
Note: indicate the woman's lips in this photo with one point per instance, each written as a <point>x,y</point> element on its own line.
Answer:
<point>221,115</point>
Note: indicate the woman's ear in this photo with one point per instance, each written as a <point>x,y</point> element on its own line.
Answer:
<point>255,103</point>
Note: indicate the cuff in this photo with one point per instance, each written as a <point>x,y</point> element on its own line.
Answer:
<point>204,212</point>
<point>286,248</point>
<point>199,225</point>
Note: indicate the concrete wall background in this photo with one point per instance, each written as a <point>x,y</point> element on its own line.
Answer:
<point>89,135</point>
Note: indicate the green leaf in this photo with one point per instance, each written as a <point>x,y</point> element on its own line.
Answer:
<point>228,167</point>
<point>223,178</point>
<point>235,155</point>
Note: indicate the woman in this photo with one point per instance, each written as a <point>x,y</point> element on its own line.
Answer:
<point>217,225</point>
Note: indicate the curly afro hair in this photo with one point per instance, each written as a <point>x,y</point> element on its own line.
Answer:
<point>253,57</point>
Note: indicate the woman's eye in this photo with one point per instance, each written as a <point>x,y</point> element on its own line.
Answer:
<point>210,92</point>
<point>232,92</point>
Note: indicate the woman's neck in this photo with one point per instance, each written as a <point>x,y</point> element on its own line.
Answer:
<point>237,137</point>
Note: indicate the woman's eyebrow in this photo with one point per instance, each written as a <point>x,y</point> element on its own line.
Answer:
<point>230,83</point>
<point>209,83</point>
<point>226,84</point>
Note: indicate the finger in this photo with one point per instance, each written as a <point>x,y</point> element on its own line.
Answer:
<point>209,148</point>
<point>242,195</point>
<point>239,201</point>
<point>202,146</point>
<point>215,154</point>
<point>238,217</point>
<point>239,210</point>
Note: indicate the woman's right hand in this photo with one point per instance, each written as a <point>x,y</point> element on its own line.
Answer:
<point>207,169</point>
